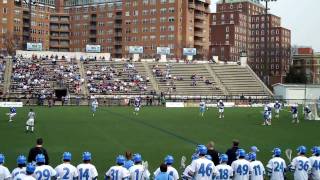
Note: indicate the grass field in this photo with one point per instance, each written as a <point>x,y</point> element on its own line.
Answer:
<point>154,133</point>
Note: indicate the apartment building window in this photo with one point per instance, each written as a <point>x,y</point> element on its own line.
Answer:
<point>145,2</point>
<point>163,28</point>
<point>153,29</point>
<point>163,19</point>
<point>145,12</point>
<point>135,13</point>
<point>172,1</point>
<point>171,19</point>
<point>163,1</point>
<point>153,38</point>
<point>170,28</point>
<point>5,1</point>
<point>162,37</point>
<point>4,10</point>
<point>145,29</point>
<point>171,10</point>
<point>163,10</point>
<point>4,20</point>
<point>153,11</point>
<point>127,13</point>
<point>227,28</point>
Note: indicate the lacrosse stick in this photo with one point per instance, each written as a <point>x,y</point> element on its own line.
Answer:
<point>145,168</point>
<point>183,163</point>
<point>289,154</point>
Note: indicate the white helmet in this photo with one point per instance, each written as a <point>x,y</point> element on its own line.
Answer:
<point>277,101</point>
<point>220,100</point>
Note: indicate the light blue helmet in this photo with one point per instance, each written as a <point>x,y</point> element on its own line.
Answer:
<point>21,159</point>
<point>302,150</point>
<point>66,156</point>
<point>277,152</point>
<point>30,168</point>
<point>241,153</point>
<point>40,158</point>
<point>137,158</point>
<point>202,150</point>
<point>194,157</point>
<point>86,156</point>
<point>315,150</point>
<point>252,156</point>
<point>254,149</point>
<point>2,158</point>
<point>168,160</point>
<point>120,160</point>
<point>223,158</point>
<point>208,157</point>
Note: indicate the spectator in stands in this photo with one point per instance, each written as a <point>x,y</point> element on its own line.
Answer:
<point>232,156</point>
<point>213,153</point>
<point>38,149</point>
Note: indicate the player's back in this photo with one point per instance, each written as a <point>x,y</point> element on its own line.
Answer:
<point>241,169</point>
<point>4,172</point>
<point>16,171</point>
<point>31,115</point>
<point>117,173</point>
<point>301,166</point>
<point>203,169</point>
<point>315,167</point>
<point>276,167</point>
<point>137,172</point>
<point>257,170</point>
<point>44,172</point>
<point>87,171</point>
<point>23,177</point>
<point>171,171</point>
<point>225,172</point>
<point>66,171</point>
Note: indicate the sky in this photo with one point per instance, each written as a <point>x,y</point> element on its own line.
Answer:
<point>301,17</point>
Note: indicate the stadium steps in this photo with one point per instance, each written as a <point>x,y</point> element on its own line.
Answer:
<point>148,73</point>
<point>240,81</point>
<point>7,77</point>
<point>84,89</point>
<point>216,79</point>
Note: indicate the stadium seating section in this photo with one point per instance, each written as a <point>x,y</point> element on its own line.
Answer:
<point>100,77</point>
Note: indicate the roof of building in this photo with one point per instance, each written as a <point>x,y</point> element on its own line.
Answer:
<point>298,85</point>
<point>237,1</point>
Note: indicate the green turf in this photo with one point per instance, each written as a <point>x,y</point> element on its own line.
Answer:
<point>154,133</point>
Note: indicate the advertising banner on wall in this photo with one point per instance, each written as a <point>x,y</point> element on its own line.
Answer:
<point>163,50</point>
<point>135,49</point>
<point>189,51</point>
<point>34,46</point>
<point>93,48</point>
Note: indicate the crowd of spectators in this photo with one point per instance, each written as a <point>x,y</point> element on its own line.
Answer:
<point>109,78</point>
<point>41,75</point>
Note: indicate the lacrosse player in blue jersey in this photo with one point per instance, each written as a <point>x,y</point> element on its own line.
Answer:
<point>202,107</point>
<point>137,105</point>
<point>277,107</point>
<point>294,112</point>
<point>221,109</point>
<point>12,113</point>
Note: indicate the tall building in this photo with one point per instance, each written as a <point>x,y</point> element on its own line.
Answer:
<point>307,62</point>
<point>240,26</point>
<point>70,25</point>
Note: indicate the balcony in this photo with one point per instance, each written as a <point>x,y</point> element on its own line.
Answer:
<point>198,24</point>
<point>198,34</point>
<point>119,43</point>
<point>116,26</point>
<point>118,34</point>
<point>200,16</point>
<point>118,17</point>
<point>192,6</point>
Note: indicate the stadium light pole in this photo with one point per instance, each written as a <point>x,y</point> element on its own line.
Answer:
<point>266,76</point>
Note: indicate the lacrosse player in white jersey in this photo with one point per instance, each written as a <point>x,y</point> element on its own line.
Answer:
<point>30,121</point>
<point>4,171</point>
<point>277,107</point>
<point>94,106</point>
<point>42,171</point>
<point>256,168</point>
<point>168,160</point>
<point>28,175</point>
<point>315,163</point>
<point>202,108</point>
<point>118,172</point>
<point>300,165</point>
<point>276,166</point>
<point>221,109</point>
<point>66,170</point>
<point>139,171</point>
<point>241,166</point>
<point>225,171</point>
<point>203,168</point>
<point>21,169</point>
<point>185,174</point>
<point>86,170</point>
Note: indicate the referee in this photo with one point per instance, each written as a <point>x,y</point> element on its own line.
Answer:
<point>38,149</point>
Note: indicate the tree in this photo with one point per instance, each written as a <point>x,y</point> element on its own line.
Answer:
<point>10,42</point>
<point>295,76</point>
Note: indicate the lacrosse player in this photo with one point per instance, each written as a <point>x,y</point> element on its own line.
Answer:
<point>307,113</point>
<point>30,121</point>
<point>256,168</point>
<point>276,166</point>
<point>170,169</point>
<point>202,107</point>
<point>300,165</point>
<point>139,171</point>
<point>4,171</point>
<point>86,170</point>
<point>225,171</point>
<point>21,169</point>
<point>118,172</point>
<point>241,166</point>
<point>221,109</point>
<point>66,170</point>
<point>277,107</point>
<point>294,112</point>
<point>315,163</point>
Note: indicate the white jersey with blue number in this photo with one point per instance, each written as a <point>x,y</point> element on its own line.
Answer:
<point>66,171</point>
<point>31,115</point>
<point>4,172</point>
<point>276,168</point>
<point>117,173</point>
<point>203,169</point>
<point>23,177</point>
<point>137,172</point>
<point>225,172</point>
<point>87,171</point>
<point>171,170</point>
<point>202,105</point>
<point>315,167</point>
<point>44,172</point>
<point>257,170</point>
<point>241,169</point>
<point>94,105</point>
<point>301,166</point>
<point>18,171</point>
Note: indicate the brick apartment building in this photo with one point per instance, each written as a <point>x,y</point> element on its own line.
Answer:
<point>306,61</point>
<point>69,25</point>
<point>239,26</point>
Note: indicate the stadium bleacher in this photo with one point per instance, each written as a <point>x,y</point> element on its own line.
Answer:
<point>42,75</point>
